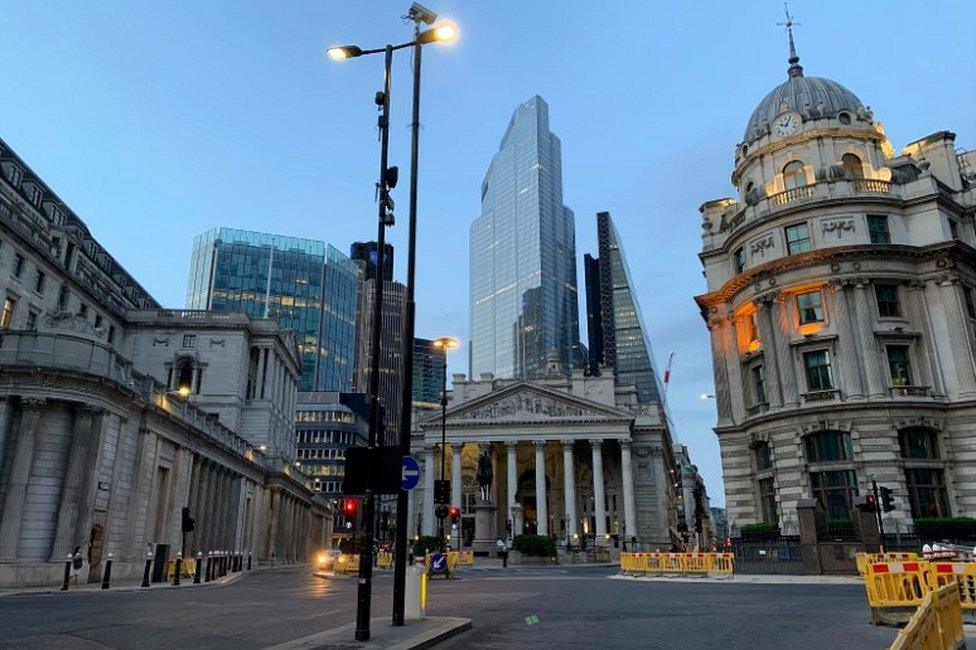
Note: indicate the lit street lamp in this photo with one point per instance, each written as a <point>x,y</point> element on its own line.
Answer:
<point>446,344</point>
<point>442,33</point>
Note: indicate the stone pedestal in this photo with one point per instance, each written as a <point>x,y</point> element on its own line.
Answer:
<point>485,536</point>
<point>516,519</point>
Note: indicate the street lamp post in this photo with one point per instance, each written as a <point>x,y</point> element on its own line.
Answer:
<point>440,33</point>
<point>446,344</point>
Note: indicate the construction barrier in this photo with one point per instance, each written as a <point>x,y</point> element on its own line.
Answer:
<point>384,560</point>
<point>963,574</point>
<point>694,563</point>
<point>864,559</point>
<point>452,561</point>
<point>188,566</point>
<point>346,563</point>
<point>905,584</point>
<point>464,558</point>
<point>935,625</point>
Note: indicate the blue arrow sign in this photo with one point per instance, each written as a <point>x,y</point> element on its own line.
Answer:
<point>411,473</point>
<point>438,563</point>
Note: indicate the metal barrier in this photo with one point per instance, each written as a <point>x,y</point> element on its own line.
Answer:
<point>452,561</point>
<point>346,563</point>
<point>905,584</point>
<point>935,625</point>
<point>963,574</point>
<point>464,558</point>
<point>188,566</point>
<point>384,560</point>
<point>864,559</point>
<point>695,563</point>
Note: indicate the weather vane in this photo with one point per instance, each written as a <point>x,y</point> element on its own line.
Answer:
<point>795,70</point>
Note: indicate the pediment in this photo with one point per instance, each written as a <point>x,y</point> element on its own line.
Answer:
<point>526,402</point>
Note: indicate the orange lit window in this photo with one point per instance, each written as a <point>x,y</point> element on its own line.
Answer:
<point>810,306</point>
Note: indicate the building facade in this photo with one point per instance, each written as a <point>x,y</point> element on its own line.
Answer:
<point>428,375</point>
<point>116,414</point>
<point>305,285</point>
<point>326,424</point>
<point>391,353</point>
<point>573,457</point>
<point>365,253</point>
<point>840,305</point>
<point>523,256</point>
<point>618,338</point>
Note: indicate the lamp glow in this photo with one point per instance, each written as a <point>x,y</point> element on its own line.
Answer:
<point>343,52</point>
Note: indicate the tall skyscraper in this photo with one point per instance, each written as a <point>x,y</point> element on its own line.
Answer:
<point>523,255</point>
<point>428,374</point>
<point>618,338</point>
<point>306,285</point>
<point>365,252</point>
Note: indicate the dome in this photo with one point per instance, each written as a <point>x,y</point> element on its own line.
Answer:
<point>814,95</point>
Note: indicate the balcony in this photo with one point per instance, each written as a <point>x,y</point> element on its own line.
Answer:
<point>909,391</point>
<point>831,395</point>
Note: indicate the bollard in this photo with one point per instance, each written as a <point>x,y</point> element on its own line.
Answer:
<point>209,566</point>
<point>145,574</point>
<point>196,569</point>
<point>248,560</point>
<point>107,578</point>
<point>177,569</point>
<point>67,574</point>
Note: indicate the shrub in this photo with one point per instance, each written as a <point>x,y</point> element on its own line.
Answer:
<point>946,528</point>
<point>425,544</point>
<point>759,531</point>
<point>535,545</point>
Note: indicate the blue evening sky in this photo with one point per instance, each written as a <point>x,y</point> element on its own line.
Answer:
<point>156,121</point>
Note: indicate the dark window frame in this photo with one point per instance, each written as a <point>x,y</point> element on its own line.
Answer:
<point>822,379</point>
<point>878,234</point>
<point>899,367</point>
<point>811,313</point>
<point>797,245</point>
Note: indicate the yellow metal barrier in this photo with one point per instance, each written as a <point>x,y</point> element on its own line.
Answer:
<point>897,584</point>
<point>697,563</point>
<point>346,563</point>
<point>935,625</point>
<point>188,566</point>
<point>452,561</point>
<point>963,574</point>
<point>864,559</point>
<point>464,558</point>
<point>384,560</point>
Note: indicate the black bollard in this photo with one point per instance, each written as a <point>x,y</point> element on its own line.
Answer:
<point>209,566</point>
<point>196,569</point>
<point>249,561</point>
<point>145,574</point>
<point>107,578</point>
<point>67,574</point>
<point>178,568</point>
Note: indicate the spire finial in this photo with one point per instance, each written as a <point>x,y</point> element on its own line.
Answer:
<point>795,69</point>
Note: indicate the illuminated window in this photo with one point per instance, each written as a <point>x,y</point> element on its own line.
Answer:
<point>817,366</point>
<point>794,175</point>
<point>798,238</point>
<point>810,306</point>
<point>852,165</point>
<point>899,366</point>
<point>7,314</point>
<point>878,229</point>
<point>887,295</point>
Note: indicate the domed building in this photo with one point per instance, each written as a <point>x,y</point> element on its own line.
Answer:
<point>841,308</point>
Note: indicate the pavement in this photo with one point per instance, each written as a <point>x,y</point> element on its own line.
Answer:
<point>557,606</point>
<point>414,635</point>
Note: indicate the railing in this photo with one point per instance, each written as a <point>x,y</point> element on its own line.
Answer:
<point>909,391</point>
<point>190,314</point>
<point>792,194</point>
<point>864,185</point>
<point>695,563</point>
<point>821,395</point>
<point>759,407</point>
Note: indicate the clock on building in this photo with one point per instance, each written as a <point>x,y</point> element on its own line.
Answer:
<point>786,124</point>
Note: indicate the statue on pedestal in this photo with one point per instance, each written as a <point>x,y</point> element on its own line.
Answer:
<point>485,475</point>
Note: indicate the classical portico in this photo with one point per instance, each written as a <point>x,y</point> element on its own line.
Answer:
<point>561,456</point>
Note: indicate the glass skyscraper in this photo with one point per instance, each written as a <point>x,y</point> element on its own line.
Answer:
<point>523,255</point>
<point>618,338</point>
<point>306,285</point>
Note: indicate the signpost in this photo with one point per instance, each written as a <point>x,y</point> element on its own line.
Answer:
<point>410,475</point>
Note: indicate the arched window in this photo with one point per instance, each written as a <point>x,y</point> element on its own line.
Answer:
<point>184,376</point>
<point>764,459</point>
<point>794,175</point>
<point>750,186</point>
<point>852,165</point>
<point>835,489</point>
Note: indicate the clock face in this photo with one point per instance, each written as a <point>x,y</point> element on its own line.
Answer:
<point>786,124</point>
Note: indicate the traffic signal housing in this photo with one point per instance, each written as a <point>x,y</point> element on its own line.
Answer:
<point>887,502</point>
<point>349,507</point>
<point>455,513</point>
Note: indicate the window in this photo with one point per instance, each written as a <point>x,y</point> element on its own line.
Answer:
<point>797,239</point>
<point>835,491</point>
<point>32,321</point>
<point>764,459</point>
<point>83,309</point>
<point>844,118</point>
<point>752,327</point>
<point>7,315</point>
<point>63,295</point>
<point>794,175</point>
<point>767,500</point>
<point>852,165</point>
<point>899,366</point>
<point>18,267</point>
<point>927,493</point>
<point>878,229</point>
<point>887,295</point>
<point>967,294</point>
<point>810,307</point>
<point>739,257</point>
<point>953,229</point>
<point>828,446</point>
<point>189,340</point>
<point>759,383</point>
<point>14,175</point>
<point>98,321</point>
<point>39,280</point>
<point>34,195</point>
<point>918,444</point>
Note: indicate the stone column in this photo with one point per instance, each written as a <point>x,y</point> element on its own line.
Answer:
<point>767,329</point>
<point>599,506</point>
<point>514,509</point>
<point>89,481</point>
<point>456,474</point>
<point>783,323</point>
<point>13,505</point>
<point>64,535</point>
<point>870,354</point>
<point>428,515</point>
<point>273,511</point>
<point>569,488</point>
<point>541,507</point>
<point>850,369</point>
<point>6,411</point>
<point>920,316</point>
<point>630,509</point>
<point>200,509</point>
<point>962,348</point>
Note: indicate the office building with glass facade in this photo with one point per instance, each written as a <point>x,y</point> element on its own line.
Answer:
<point>618,338</point>
<point>428,374</point>
<point>365,252</point>
<point>523,256</point>
<point>306,285</point>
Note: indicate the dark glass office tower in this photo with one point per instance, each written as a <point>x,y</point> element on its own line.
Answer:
<point>428,375</point>
<point>365,252</point>
<point>523,256</point>
<point>618,338</point>
<point>306,285</point>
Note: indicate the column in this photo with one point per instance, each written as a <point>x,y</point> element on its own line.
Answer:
<point>541,507</point>
<point>783,323</point>
<point>428,516</point>
<point>6,411</point>
<point>569,488</point>
<point>599,506</point>
<point>630,522</point>
<point>851,370</point>
<point>259,378</point>
<point>456,474</point>
<point>13,505</point>
<point>950,295</point>
<point>870,354</point>
<point>514,509</point>
<point>64,535</point>
<point>767,327</point>
<point>200,508</point>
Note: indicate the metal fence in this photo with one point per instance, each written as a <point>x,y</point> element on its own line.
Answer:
<point>770,556</point>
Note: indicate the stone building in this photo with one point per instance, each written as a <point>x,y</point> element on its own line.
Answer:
<point>840,304</point>
<point>116,414</point>
<point>572,457</point>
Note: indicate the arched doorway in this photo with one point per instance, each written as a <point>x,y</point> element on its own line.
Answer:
<point>525,495</point>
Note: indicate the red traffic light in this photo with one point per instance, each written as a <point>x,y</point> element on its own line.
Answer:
<point>349,507</point>
<point>455,512</point>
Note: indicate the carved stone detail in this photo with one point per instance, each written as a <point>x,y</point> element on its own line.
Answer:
<point>840,226</point>
<point>759,246</point>
<point>524,405</point>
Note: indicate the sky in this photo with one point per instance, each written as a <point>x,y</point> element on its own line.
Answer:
<point>156,121</point>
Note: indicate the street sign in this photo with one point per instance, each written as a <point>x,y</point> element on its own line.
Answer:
<point>411,473</point>
<point>438,563</point>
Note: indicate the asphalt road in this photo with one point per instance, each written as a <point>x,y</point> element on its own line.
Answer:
<point>548,607</point>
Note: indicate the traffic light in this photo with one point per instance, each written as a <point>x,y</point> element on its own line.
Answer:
<point>455,513</point>
<point>886,499</point>
<point>441,512</point>
<point>349,507</point>
<point>872,502</point>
